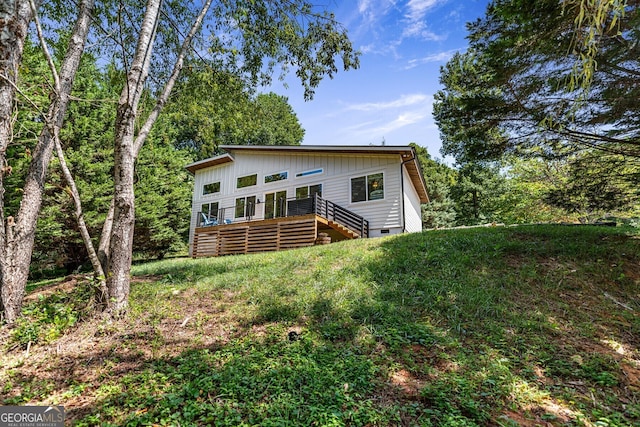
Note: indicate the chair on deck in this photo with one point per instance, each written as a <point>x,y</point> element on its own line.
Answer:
<point>206,221</point>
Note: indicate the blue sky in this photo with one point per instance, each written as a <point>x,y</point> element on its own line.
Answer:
<point>403,43</point>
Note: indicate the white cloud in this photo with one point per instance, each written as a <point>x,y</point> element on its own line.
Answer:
<point>403,101</point>
<point>363,6</point>
<point>371,11</point>
<point>436,57</point>
<point>375,120</point>
<point>415,19</point>
<point>400,121</point>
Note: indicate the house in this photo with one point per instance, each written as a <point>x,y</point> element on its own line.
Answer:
<point>262,198</point>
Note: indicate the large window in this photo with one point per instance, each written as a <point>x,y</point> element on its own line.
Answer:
<point>275,204</point>
<point>245,207</point>
<point>247,181</point>
<point>280,176</point>
<point>368,187</point>
<point>213,187</point>
<point>308,191</point>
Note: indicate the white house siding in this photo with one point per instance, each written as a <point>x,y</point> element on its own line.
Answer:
<point>338,169</point>
<point>413,213</point>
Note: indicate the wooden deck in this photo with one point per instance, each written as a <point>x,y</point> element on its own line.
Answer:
<point>263,236</point>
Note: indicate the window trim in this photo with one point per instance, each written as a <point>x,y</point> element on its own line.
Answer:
<point>246,176</point>
<point>284,210</point>
<point>308,186</point>
<point>311,172</point>
<point>209,210</point>
<point>245,214</point>
<point>286,177</point>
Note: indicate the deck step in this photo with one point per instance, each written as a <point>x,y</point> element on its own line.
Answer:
<point>345,231</point>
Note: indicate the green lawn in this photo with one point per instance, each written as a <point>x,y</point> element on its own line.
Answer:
<point>535,325</point>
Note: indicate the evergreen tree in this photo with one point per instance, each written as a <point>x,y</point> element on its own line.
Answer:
<point>439,178</point>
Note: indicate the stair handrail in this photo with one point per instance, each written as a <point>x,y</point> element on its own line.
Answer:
<point>336,213</point>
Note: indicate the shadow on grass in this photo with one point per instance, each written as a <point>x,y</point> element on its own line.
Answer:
<point>525,321</point>
<point>450,328</point>
<point>267,380</point>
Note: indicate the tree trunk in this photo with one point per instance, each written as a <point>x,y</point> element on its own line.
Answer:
<point>14,20</point>
<point>101,290</point>
<point>121,243</point>
<point>117,232</point>
<point>476,208</point>
<point>17,251</point>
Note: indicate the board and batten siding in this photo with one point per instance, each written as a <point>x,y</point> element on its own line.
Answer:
<point>413,210</point>
<point>338,170</point>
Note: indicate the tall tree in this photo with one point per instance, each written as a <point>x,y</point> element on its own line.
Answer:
<point>439,178</point>
<point>18,237</point>
<point>275,122</point>
<point>15,17</point>
<point>477,194</point>
<point>248,40</point>
<point>514,90</point>
<point>211,108</point>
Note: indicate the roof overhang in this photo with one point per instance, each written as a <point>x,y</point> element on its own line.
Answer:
<point>207,163</point>
<point>407,155</point>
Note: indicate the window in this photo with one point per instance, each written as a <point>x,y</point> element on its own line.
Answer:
<point>245,207</point>
<point>209,214</point>
<point>275,204</point>
<point>247,181</point>
<point>308,191</point>
<point>307,173</point>
<point>210,210</point>
<point>369,187</point>
<point>276,177</point>
<point>213,187</point>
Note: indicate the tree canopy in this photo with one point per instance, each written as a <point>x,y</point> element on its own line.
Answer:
<point>514,90</point>
<point>211,108</point>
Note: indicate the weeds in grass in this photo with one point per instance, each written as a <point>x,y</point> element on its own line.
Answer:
<point>449,328</point>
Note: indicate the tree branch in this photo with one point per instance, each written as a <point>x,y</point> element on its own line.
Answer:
<point>45,49</point>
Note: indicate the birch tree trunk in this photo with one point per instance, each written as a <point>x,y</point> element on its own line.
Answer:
<point>101,290</point>
<point>18,244</point>
<point>14,20</point>
<point>121,243</point>
<point>117,232</point>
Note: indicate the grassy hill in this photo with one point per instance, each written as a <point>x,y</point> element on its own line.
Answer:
<point>536,325</point>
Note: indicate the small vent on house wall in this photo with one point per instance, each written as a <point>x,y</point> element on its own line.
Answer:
<point>384,231</point>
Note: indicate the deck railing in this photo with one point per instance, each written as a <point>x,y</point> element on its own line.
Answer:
<point>288,208</point>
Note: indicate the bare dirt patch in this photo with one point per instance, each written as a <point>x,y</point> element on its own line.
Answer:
<point>96,351</point>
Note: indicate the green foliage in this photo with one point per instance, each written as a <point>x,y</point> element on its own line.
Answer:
<point>48,318</point>
<point>478,193</point>
<point>163,187</point>
<point>277,122</point>
<point>255,380</point>
<point>211,108</point>
<point>514,93</point>
<point>163,198</point>
<point>439,178</point>
<point>246,42</point>
<point>588,188</point>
